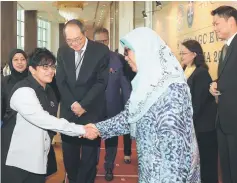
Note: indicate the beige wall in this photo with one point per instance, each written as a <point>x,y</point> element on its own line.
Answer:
<point>90,33</point>
<point>54,36</point>
<point>171,23</point>
<point>126,15</point>
<point>138,7</point>
<point>106,23</point>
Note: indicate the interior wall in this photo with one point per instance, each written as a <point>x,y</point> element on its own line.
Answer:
<point>8,29</point>
<point>182,20</point>
<point>54,42</point>
<point>139,6</point>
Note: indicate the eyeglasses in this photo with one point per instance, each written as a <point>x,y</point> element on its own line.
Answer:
<point>76,40</point>
<point>126,51</point>
<point>183,53</point>
<point>46,67</point>
<point>102,41</point>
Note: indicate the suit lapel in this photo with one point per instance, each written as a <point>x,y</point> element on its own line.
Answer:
<point>70,55</point>
<point>87,65</point>
<point>219,69</point>
<point>227,55</point>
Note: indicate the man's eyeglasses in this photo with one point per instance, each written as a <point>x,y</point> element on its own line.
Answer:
<point>76,40</point>
<point>47,67</point>
<point>126,51</point>
<point>102,41</point>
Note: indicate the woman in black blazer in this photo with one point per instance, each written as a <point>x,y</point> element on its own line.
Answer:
<point>204,108</point>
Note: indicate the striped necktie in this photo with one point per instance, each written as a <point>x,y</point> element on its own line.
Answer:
<point>78,62</point>
<point>224,51</point>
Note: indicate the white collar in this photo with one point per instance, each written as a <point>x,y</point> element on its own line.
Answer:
<point>85,45</point>
<point>230,39</point>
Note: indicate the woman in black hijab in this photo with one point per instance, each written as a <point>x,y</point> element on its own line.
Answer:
<point>19,70</point>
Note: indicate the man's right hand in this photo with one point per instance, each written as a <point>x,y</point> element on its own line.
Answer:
<point>77,109</point>
<point>213,89</point>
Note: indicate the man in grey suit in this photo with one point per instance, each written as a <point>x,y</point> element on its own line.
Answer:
<point>117,93</point>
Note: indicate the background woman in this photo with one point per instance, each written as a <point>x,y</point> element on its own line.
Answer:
<point>204,108</point>
<point>18,66</point>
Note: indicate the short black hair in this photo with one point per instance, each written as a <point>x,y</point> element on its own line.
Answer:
<point>225,12</point>
<point>101,30</point>
<point>195,47</point>
<point>41,56</point>
<point>75,22</point>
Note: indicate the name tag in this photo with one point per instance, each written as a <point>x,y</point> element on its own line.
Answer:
<point>52,104</point>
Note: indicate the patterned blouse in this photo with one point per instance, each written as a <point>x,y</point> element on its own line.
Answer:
<point>165,138</point>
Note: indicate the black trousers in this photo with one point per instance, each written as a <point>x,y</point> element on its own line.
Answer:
<point>52,163</point>
<point>111,146</point>
<point>208,150</point>
<point>10,174</point>
<point>80,159</point>
<point>127,142</point>
<point>227,145</point>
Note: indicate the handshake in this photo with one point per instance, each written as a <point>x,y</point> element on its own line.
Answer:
<point>91,132</point>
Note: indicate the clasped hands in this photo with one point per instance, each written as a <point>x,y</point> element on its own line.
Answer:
<point>77,109</point>
<point>91,132</point>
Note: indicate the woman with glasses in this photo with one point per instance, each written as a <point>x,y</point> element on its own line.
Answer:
<point>204,108</point>
<point>158,114</point>
<point>28,121</point>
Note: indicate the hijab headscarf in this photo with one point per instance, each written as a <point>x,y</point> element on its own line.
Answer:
<point>15,74</point>
<point>157,69</point>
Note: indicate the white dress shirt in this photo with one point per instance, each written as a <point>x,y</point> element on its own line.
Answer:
<point>82,53</point>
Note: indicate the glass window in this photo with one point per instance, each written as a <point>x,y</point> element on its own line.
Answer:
<point>43,32</point>
<point>20,27</point>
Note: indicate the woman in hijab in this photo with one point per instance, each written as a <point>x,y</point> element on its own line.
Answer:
<point>158,114</point>
<point>19,70</point>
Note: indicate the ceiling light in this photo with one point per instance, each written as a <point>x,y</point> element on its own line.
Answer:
<point>158,8</point>
<point>144,14</point>
<point>158,4</point>
<point>69,9</point>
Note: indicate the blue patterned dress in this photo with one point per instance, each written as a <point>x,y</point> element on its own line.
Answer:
<point>165,138</point>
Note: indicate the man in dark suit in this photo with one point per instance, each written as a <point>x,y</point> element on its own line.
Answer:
<point>81,76</point>
<point>117,93</point>
<point>224,89</point>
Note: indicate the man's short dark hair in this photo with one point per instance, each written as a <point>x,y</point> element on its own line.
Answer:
<point>75,22</point>
<point>101,30</point>
<point>225,12</point>
<point>41,56</point>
